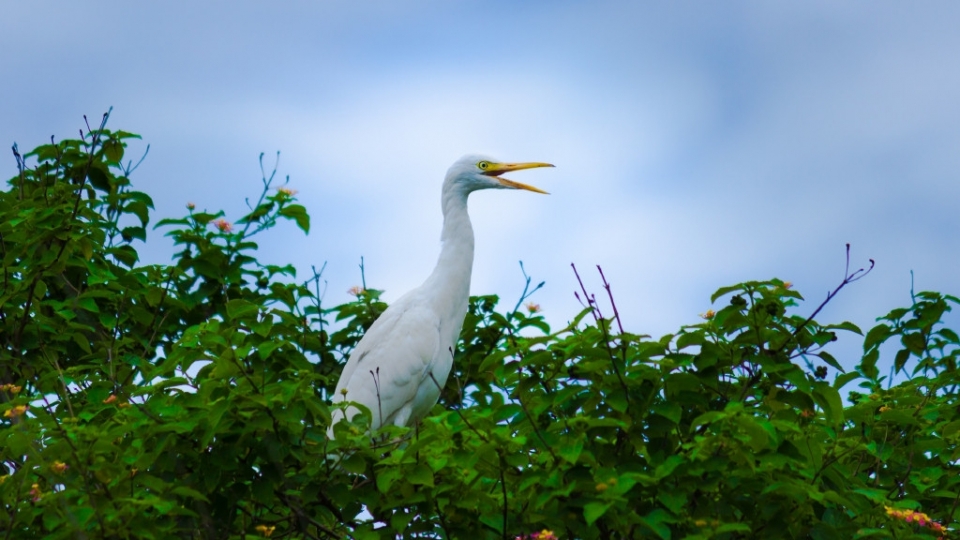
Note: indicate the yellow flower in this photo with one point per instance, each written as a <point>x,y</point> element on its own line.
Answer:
<point>191,206</point>
<point>708,315</point>
<point>11,388</point>
<point>543,535</point>
<point>266,530</point>
<point>787,284</point>
<point>884,409</point>
<point>15,412</point>
<point>700,523</point>
<point>123,405</point>
<point>59,466</point>
<point>601,487</point>
<point>4,478</point>
<point>35,492</point>
<point>287,191</point>
<point>223,225</point>
<point>533,307</point>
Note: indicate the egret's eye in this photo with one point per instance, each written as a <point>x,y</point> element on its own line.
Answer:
<point>484,165</point>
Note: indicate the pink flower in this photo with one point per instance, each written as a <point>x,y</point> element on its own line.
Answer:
<point>223,225</point>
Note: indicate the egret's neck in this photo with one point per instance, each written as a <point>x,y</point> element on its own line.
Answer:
<point>450,280</point>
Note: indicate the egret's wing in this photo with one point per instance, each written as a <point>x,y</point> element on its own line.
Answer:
<point>385,370</point>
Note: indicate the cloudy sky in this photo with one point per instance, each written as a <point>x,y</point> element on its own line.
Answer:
<point>697,144</point>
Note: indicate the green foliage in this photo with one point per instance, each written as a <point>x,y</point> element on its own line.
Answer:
<point>192,399</point>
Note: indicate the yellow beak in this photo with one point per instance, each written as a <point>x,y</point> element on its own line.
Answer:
<point>496,169</point>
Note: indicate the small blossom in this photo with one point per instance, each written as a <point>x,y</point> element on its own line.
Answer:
<point>266,530</point>
<point>35,492</point>
<point>111,399</point>
<point>191,206</point>
<point>15,412</point>
<point>287,191</point>
<point>223,225</point>
<point>10,388</point>
<point>709,314</point>
<point>59,466</point>
<point>533,307</point>
<point>4,478</point>
<point>807,413</point>
<point>542,535</point>
<point>919,518</point>
<point>787,284</point>
<point>700,523</point>
<point>123,405</point>
<point>884,408</point>
<point>356,290</point>
<point>602,486</point>
<point>133,472</point>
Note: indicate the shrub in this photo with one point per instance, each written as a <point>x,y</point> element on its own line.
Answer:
<point>192,399</point>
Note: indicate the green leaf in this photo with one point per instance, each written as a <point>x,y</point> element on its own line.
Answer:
<point>420,475</point>
<point>829,359</point>
<point>668,410</point>
<point>901,360</point>
<point>657,522</point>
<point>237,309</point>
<point>593,511</point>
<point>113,150</point>
<point>843,378</point>
<point>725,290</point>
<point>915,343</point>
<point>868,365</point>
<point>877,335</point>
<point>184,491</point>
<point>571,450</point>
<point>848,326</point>
<point>299,214</point>
<point>830,401</point>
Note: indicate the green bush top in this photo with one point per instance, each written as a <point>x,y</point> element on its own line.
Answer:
<point>191,400</point>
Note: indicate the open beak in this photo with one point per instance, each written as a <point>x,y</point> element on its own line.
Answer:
<point>496,169</point>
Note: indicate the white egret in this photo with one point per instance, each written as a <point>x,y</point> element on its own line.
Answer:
<point>403,360</point>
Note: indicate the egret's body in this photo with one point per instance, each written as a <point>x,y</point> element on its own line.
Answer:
<point>399,367</point>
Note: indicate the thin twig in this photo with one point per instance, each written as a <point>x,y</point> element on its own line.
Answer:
<point>459,412</point>
<point>616,314</point>
<point>606,335</point>
<point>847,279</point>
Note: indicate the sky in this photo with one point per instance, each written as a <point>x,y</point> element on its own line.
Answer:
<point>696,144</point>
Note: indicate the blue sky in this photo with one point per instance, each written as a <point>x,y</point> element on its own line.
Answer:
<point>697,144</point>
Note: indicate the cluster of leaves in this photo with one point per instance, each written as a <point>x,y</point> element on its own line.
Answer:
<point>192,399</point>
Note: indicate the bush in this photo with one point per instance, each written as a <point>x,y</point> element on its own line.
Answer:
<point>192,399</point>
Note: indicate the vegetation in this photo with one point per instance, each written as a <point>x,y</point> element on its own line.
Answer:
<point>191,400</point>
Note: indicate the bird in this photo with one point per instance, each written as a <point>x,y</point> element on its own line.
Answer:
<point>403,360</point>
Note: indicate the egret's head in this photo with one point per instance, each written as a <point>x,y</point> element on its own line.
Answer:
<point>471,173</point>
